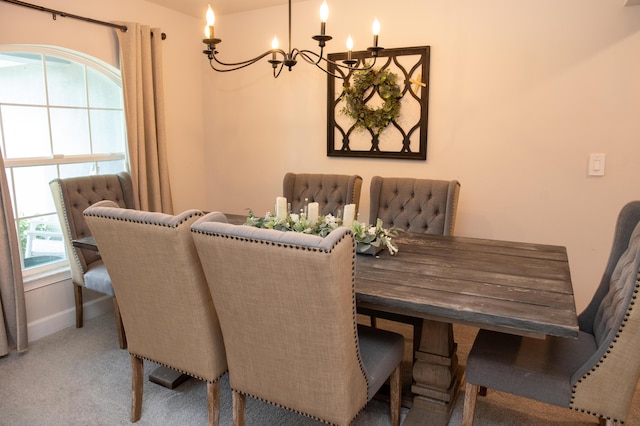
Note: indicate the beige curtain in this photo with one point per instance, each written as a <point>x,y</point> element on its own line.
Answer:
<point>13,328</point>
<point>141,65</point>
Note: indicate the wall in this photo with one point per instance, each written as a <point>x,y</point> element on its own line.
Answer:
<point>521,94</point>
<point>50,306</point>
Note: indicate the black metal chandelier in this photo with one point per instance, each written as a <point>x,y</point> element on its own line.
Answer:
<point>280,59</point>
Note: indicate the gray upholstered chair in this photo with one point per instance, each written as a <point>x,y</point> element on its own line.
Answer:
<point>163,295</point>
<point>416,205</point>
<point>71,196</point>
<point>286,303</point>
<point>331,192</point>
<point>596,373</point>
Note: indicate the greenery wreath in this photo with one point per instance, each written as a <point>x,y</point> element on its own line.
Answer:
<point>376,119</point>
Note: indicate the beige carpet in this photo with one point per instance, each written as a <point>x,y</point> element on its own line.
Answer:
<point>80,377</point>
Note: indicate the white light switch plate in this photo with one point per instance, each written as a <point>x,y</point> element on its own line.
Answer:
<point>596,164</point>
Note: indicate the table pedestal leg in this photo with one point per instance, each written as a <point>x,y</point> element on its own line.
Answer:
<point>436,375</point>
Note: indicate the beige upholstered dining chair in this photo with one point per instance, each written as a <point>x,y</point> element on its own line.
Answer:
<point>424,206</point>
<point>596,373</point>
<point>164,299</point>
<point>71,197</point>
<point>286,303</point>
<point>331,192</point>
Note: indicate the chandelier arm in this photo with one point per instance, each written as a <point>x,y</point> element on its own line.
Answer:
<point>319,66</point>
<point>239,65</point>
<point>307,56</point>
<point>277,74</point>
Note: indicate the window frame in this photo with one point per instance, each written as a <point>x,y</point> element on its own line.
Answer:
<point>46,274</point>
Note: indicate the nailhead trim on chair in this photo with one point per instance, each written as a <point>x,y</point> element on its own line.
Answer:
<point>67,226</point>
<point>252,240</point>
<point>602,359</point>
<point>184,219</point>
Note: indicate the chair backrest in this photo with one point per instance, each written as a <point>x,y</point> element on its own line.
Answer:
<point>605,384</point>
<point>72,196</point>
<point>286,303</point>
<point>331,192</point>
<point>162,292</point>
<point>415,205</point>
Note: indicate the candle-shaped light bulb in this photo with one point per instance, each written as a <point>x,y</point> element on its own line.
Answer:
<point>349,47</point>
<point>324,12</point>
<point>324,15</point>
<point>375,28</point>
<point>211,19</point>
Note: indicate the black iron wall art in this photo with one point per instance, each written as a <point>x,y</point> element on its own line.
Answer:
<point>381,112</point>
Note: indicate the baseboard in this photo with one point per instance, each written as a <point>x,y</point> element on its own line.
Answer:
<point>67,318</point>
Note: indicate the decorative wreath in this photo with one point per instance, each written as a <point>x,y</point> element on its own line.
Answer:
<point>376,119</point>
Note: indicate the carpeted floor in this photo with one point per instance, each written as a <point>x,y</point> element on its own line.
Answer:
<point>80,377</point>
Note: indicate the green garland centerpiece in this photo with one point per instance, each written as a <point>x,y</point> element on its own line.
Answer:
<point>368,238</point>
<point>355,95</point>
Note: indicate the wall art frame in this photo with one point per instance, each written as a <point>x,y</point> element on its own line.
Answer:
<point>406,136</point>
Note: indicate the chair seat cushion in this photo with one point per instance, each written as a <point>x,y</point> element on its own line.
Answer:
<point>539,369</point>
<point>381,351</point>
<point>97,278</point>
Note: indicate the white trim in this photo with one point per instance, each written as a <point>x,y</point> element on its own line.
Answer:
<point>62,52</point>
<point>62,159</point>
<point>50,277</point>
<point>67,318</point>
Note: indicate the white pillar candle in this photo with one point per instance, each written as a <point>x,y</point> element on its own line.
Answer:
<point>349,214</point>
<point>313,209</point>
<point>281,208</point>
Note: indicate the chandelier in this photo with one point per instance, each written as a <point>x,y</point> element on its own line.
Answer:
<point>280,59</point>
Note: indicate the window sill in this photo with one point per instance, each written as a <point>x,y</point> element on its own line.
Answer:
<point>36,281</point>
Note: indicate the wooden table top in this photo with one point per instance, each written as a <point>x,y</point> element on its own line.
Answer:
<point>519,288</point>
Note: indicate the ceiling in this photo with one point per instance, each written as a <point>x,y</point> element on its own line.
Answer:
<point>197,8</point>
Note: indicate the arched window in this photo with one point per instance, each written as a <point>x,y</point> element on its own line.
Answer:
<point>61,115</point>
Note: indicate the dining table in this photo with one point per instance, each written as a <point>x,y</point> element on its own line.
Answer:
<point>435,281</point>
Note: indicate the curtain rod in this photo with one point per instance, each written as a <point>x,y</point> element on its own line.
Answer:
<point>54,13</point>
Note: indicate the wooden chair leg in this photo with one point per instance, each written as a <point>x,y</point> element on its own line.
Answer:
<point>470,398</point>
<point>213,403</point>
<point>122,337</point>
<point>395,400</point>
<point>239,402</point>
<point>373,322</point>
<point>137,376</point>
<point>77,292</point>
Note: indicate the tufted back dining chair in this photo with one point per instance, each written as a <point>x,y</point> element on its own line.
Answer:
<point>415,205</point>
<point>331,192</point>
<point>164,299</point>
<point>286,303</point>
<point>596,373</point>
<point>71,197</point>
